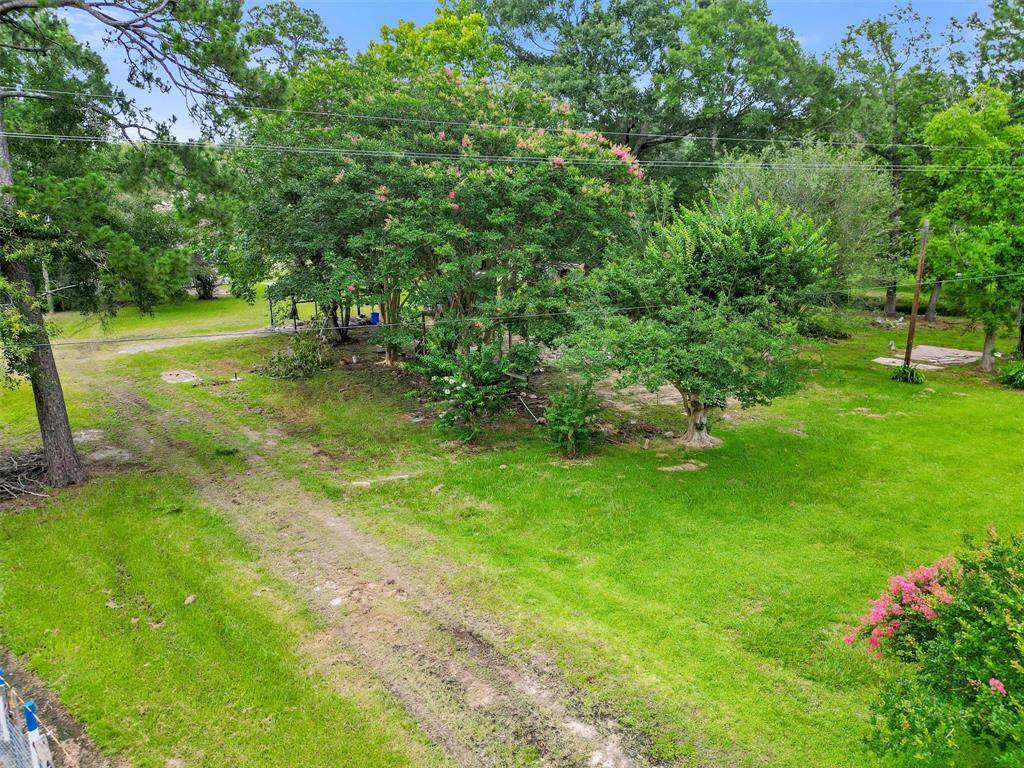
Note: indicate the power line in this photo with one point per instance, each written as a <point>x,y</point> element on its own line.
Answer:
<point>608,311</point>
<point>439,122</point>
<point>507,159</point>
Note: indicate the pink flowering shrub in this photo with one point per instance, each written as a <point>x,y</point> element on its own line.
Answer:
<point>961,631</point>
<point>900,618</point>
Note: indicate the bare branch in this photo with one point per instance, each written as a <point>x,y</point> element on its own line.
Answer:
<point>24,95</point>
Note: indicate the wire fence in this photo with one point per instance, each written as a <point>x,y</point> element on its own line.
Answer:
<point>24,739</point>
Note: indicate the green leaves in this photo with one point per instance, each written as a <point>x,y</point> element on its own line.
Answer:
<point>979,230</point>
<point>477,215</point>
<point>710,306</point>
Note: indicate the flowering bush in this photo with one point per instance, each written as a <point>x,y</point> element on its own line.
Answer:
<point>961,699</point>
<point>902,615</point>
<point>468,386</point>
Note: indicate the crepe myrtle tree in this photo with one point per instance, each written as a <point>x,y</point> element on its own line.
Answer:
<point>711,307</point>
<point>467,218</point>
<point>977,219</point>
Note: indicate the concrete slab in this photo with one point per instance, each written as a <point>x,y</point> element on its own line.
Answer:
<point>945,355</point>
<point>896,362</point>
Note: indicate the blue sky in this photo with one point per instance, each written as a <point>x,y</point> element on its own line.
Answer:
<point>818,24</point>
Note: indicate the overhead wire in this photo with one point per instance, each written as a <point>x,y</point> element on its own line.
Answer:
<point>476,124</point>
<point>505,159</point>
<point>417,324</point>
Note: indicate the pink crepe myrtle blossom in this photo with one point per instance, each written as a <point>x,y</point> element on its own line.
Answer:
<point>557,162</point>
<point>441,134</point>
<point>465,140</point>
<point>997,686</point>
<point>354,139</point>
<point>351,288</point>
<point>451,195</point>
<point>908,599</point>
<point>455,206</point>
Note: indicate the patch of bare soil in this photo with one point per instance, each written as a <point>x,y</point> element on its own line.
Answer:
<point>442,660</point>
<point>75,749</point>
<point>179,377</point>
<point>450,665</point>
<point>686,466</point>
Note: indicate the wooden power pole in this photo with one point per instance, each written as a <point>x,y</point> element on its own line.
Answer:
<point>917,295</point>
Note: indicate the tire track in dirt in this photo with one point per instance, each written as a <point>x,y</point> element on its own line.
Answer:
<point>437,657</point>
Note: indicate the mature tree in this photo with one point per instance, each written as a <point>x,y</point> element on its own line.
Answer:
<point>641,69</point>
<point>890,67</point>
<point>194,46</point>
<point>467,216</point>
<point>998,47</point>
<point>843,191</point>
<point>714,300</point>
<point>287,38</point>
<point>978,218</point>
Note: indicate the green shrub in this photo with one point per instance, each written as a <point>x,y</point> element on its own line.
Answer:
<point>570,419</point>
<point>908,374</point>
<point>1013,375</point>
<point>469,386</point>
<point>962,694</point>
<point>303,359</point>
<point>824,324</point>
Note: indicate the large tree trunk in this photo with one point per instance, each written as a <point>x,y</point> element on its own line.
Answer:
<point>932,313</point>
<point>988,357</point>
<point>697,434</point>
<point>1020,324</point>
<point>339,330</point>
<point>890,301</point>
<point>63,466</point>
<point>390,311</point>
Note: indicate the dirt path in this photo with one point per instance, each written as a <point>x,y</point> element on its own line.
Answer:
<point>440,659</point>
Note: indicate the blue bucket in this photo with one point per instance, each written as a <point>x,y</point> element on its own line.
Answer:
<point>375,318</point>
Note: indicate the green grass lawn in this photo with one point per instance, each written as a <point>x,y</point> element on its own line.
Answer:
<point>187,316</point>
<point>157,628</point>
<point>704,609</point>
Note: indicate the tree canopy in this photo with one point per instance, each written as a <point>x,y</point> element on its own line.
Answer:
<point>978,216</point>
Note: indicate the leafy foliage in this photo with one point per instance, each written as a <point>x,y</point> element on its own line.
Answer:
<point>654,67</point>
<point>964,694</point>
<point>715,297</point>
<point>1013,375</point>
<point>302,360</point>
<point>570,418</point>
<point>453,232</point>
<point>469,386</point>
<point>823,324</point>
<point>976,217</point>
<point>843,191</point>
<point>908,374</point>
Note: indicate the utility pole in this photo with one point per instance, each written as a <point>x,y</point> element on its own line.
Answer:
<point>917,295</point>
